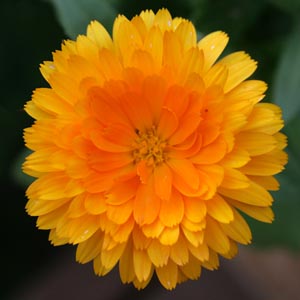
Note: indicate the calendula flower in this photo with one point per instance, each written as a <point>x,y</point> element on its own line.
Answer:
<point>146,147</point>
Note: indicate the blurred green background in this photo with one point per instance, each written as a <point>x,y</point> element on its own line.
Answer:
<point>269,30</point>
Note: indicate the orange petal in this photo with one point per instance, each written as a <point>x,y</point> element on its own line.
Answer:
<point>144,171</point>
<point>201,252</point>
<point>65,87</point>
<point>188,125</point>
<point>142,264</point>
<point>76,208</point>
<point>179,252</point>
<point>140,241</point>
<point>169,235</point>
<point>96,183</point>
<point>122,192</point>
<point>215,237</point>
<point>154,45</point>
<point>193,226</point>
<point>163,181</point>
<point>105,107</point>
<point>195,238</point>
<point>89,249</point>
<point>238,229</point>
<point>48,101</point>
<point>172,211</point>
<point>219,209</point>
<point>240,67</point>
<point>186,171</point>
<point>121,233</point>
<point>126,267</point>
<point>98,34</point>
<point>187,34</point>
<point>106,161</point>
<point>254,195</point>
<point>192,269</point>
<point>216,76</point>
<point>154,90</point>
<point>209,132</point>
<point>168,275</point>
<point>54,186</point>
<point>126,38</point>
<point>172,52</point>
<point>51,219</point>
<point>234,179</point>
<point>134,108</point>
<point>146,204</point>
<point>154,229</point>
<point>142,60</point>
<point>236,158</point>
<point>256,143</point>
<point>263,214</point>
<point>194,209</point>
<point>185,189</point>
<point>212,45</point>
<point>110,258</point>
<point>77,167</point>
<point>163,20</point>
<point>158,253</point>
<point>212,153</point>
<point>192,62</point>
<point>187,149</point>
<point>120,213</point>
<point>36,207</point>
<point>79,229</point>
<point>168,123</point>
<point>113,138</point>
<point>176,100</point>
<point>266,164</point>
<point>268,182</point>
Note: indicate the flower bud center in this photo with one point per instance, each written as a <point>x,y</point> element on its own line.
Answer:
<point>149,146</point>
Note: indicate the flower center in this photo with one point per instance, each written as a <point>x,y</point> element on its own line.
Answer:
<point>149,147</point>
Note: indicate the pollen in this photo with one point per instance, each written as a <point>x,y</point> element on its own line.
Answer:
<point>150,147</point>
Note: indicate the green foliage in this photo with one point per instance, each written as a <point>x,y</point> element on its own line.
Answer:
<point>75,15</point>
<point>290,6</point>
<point>287,79</point>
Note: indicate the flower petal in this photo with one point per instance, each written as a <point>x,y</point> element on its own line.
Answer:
<point>146,204</point>
<point>215,237</point>
<point>212,153</point>
<point>179,252</point>
<point>172,211</point>
<point>254,195</point>
<point>219,209</point>
<point>212,45</point>
<point>158,253</point>
<point>126,267</point>
<point>122,192</point>
<point>194,209</point>
<point>119,214</point>
<point>238,229</point>
<point>89,249</point>
<point>163,182</point>
<point>169,235</point>
<point>98,34</point>
<point>142,264</point>
<point>168,123</point>
<point>185,170</point>
<point>240,66</point>
<point>167,275</point>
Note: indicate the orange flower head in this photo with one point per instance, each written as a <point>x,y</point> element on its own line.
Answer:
<point>146,147</point>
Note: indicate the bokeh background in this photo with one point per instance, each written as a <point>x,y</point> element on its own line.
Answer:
<point>269,30</point>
